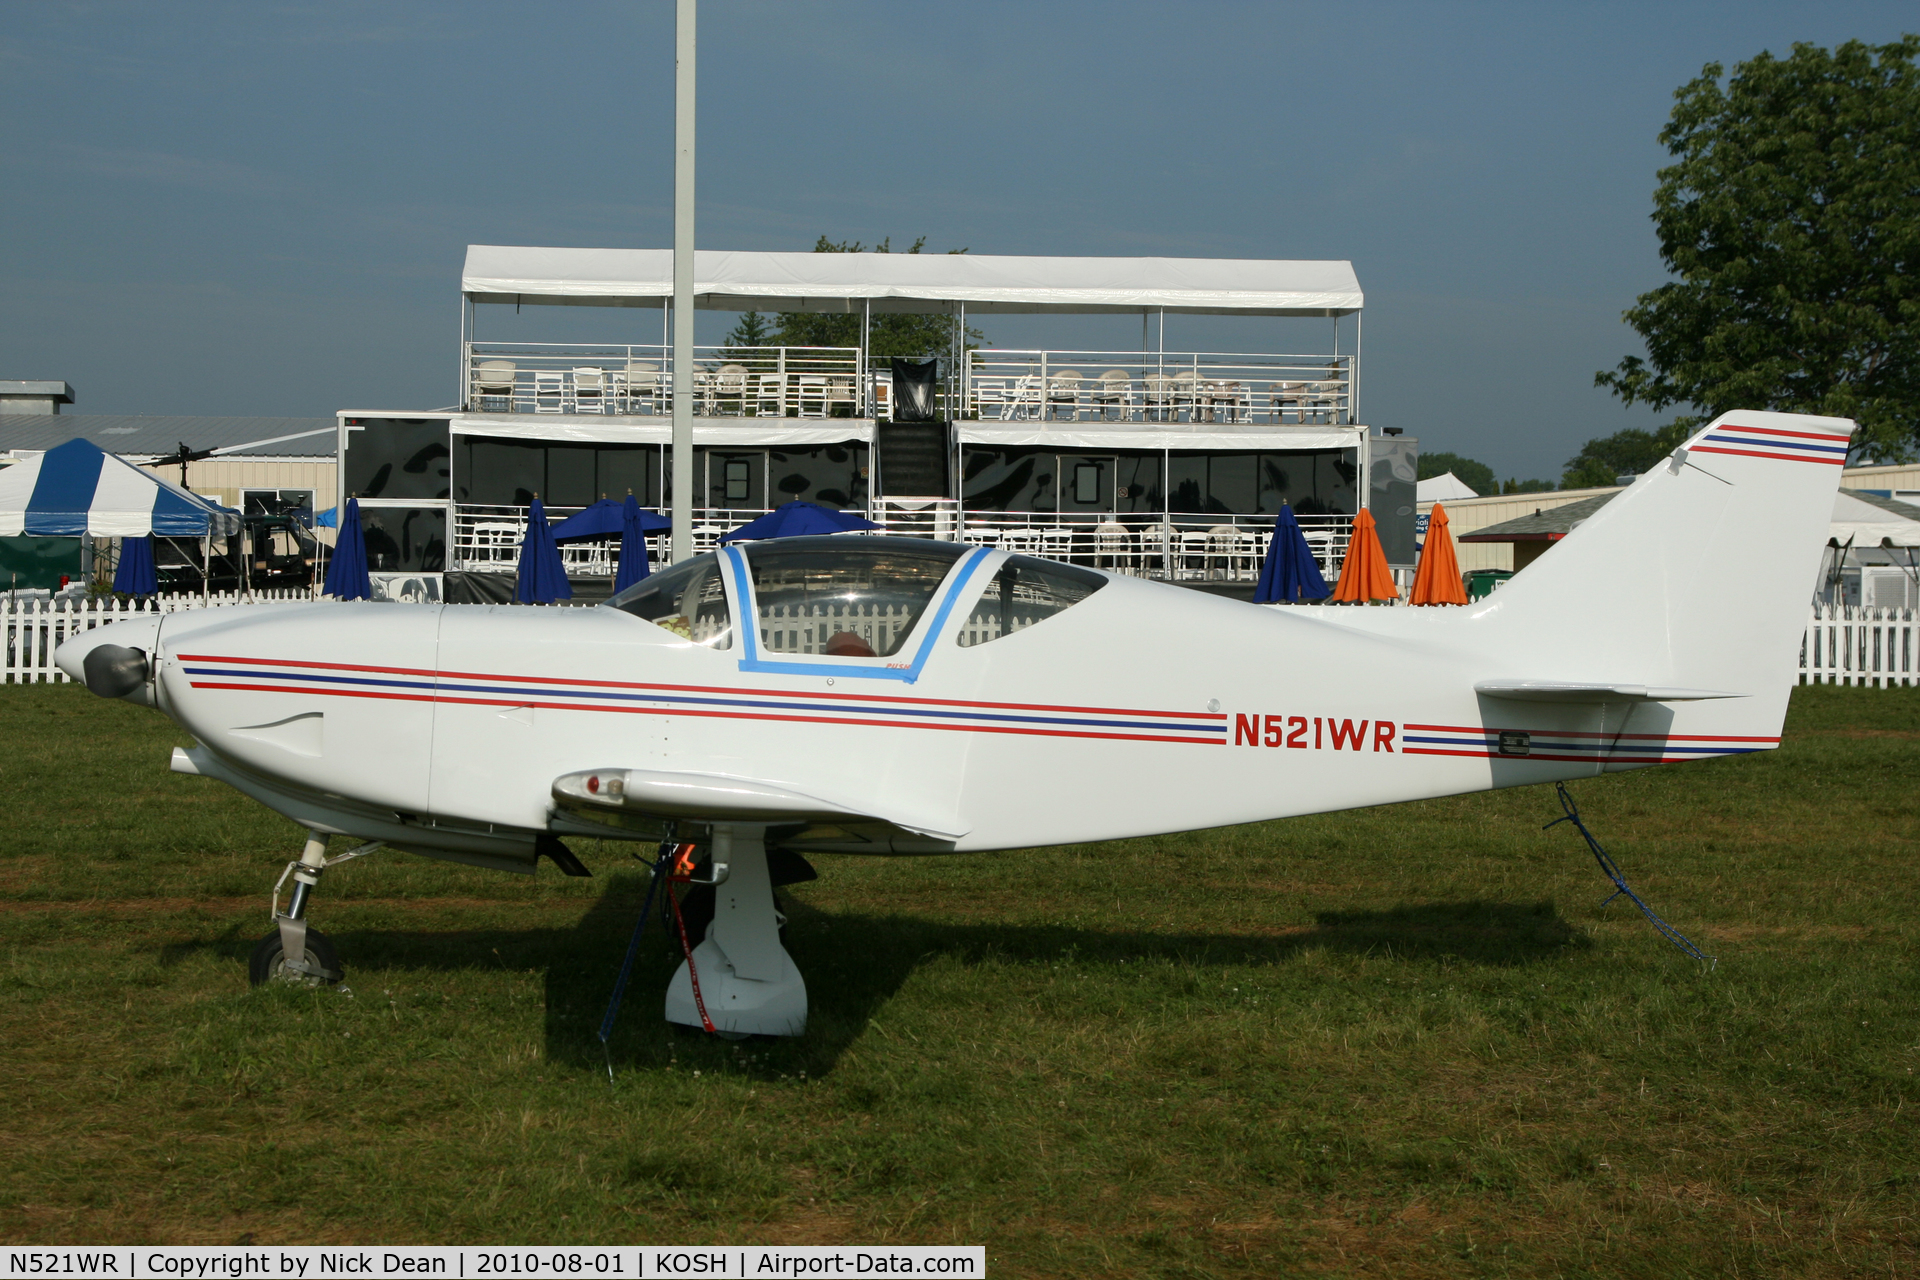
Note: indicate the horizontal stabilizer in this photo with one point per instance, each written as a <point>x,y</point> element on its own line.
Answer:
<point>710,797</point>
<point>1576,691</point>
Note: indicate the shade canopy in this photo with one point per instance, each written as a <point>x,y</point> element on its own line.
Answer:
<point>136,575</point>
<point>922,283</point>
<point>633,544</point>
<point>79,488</point>
<point>606,519</point>
<point>1437,580</point>
<point>796,519</point>
<point>1290,572</point>
<point>1442,488</point>
<point>1869,520</point>
<point>542,576</point>
<point>347,571</point>
<point>1364,576</point>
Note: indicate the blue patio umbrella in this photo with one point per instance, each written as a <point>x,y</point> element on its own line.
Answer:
<point>633,544</point>
<point>347,571</point>
<point>798,518</point>
<point>607,519</point>
<point>543,575</point>
<point>1290,573</point>
<point>136,575</point>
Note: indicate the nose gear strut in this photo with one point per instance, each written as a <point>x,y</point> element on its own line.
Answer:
<point>293,952</point>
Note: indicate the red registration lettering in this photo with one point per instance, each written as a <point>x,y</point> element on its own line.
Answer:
<point>1276,729</point>
<point>1246,731</point>
<point>1297,732</point>
<point>1383,735</point>
<point>1344,733</point>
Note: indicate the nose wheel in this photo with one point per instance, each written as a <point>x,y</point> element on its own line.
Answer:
<point>293,953</point>
<point>319,963</point>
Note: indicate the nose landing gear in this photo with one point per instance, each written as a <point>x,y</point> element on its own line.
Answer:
<point>293,953</point>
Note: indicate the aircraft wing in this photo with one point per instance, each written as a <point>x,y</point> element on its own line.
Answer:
<point>600,794</point>
<point>1579,691</point>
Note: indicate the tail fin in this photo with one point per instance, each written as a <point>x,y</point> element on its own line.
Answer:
<point>1698,575</point>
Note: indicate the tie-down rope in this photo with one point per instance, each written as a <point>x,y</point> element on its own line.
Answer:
<point>1620,887</point>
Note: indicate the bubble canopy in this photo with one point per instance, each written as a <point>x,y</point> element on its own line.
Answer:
<point>851,597</point>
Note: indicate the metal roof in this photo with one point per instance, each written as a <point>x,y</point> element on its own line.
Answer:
<point>1546,524</point>
<point>152,436</point>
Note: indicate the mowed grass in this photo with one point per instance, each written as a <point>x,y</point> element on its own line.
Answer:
<point>1404,1041</point>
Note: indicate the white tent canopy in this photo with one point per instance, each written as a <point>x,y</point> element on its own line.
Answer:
<point>926,283</point>
<point>1865,525</point>
<point>1442,488</point>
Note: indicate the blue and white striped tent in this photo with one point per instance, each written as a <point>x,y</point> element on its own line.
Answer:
<point>79,488</point>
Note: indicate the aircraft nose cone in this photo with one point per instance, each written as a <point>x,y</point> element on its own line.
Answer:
<point>112,661</point>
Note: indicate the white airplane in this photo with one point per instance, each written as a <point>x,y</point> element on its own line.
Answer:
<point>881,695</point>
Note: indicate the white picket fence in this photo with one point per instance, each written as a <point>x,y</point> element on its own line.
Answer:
<point>1848,644</point>
<point>1843,644</point>
<point>35,627</point>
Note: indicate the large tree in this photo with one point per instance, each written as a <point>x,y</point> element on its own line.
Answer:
<point>1477,476</point>
<point>888,335</point>
<point>1792,221</point>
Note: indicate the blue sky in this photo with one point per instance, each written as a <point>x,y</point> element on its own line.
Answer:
<point>262,208</point>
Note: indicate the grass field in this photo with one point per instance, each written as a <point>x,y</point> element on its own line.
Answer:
<point>1399,1042</point>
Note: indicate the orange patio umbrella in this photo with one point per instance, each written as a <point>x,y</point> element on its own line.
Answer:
<point>1437,580</point>
<point>1365,575</point>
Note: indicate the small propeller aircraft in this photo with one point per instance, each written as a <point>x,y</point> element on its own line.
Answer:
<point>900,696</point>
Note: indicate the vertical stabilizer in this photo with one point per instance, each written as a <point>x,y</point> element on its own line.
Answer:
<point>1698,575</point>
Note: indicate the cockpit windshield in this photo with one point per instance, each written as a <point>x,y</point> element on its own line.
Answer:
<point>688,600</point>
<point>843,596</point>
<point>1024,592</point>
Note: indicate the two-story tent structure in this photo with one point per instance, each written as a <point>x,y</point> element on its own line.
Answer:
<point>1166,463</point>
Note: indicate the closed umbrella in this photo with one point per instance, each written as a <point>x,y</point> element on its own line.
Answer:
<point>796,519</point>
<point>136,575</point>
<point>1437,580</point>
<point>633,544</point>
<point>1365,576</point>
<point>543,575</point>
<point>1290,572</point>
<point>347,571</point>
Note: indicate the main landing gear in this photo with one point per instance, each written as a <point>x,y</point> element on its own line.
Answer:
<point>293,953</point>
<point>739,981</point>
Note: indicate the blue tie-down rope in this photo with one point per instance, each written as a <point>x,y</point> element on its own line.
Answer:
<point>633,948</point>
<point>1620,887</point>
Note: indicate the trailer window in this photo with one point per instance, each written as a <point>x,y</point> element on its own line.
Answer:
<point>1026,591</point>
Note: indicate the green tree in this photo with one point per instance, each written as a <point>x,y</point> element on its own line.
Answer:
<point>1604,460</point>
<point>1477,476</point>
<point>752,331</point>
<point>888,334</point>
<point>1792,219</point>
<point>1528,486</point>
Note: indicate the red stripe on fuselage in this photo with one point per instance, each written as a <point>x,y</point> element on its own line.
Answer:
<point>698,688</point>
<point>724,715</point>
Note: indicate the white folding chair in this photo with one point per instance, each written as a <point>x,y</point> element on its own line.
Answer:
<point>1113,545</point>
<point>493,380</point>
<point>1113,395</point>
<point>1063,390</point>
<point>549,391</point>
<point>770,397</point>
<point>589,390</point>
